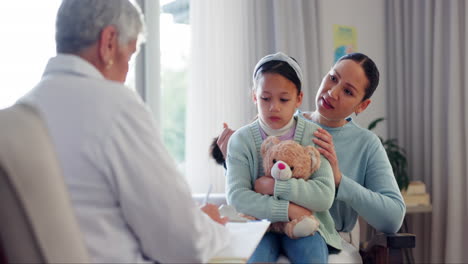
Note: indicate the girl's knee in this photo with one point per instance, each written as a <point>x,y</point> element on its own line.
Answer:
<point>311,249</point>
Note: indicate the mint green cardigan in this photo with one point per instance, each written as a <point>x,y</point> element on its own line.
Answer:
<point>244,166</point>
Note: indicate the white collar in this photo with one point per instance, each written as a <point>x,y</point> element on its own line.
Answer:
<point>73,64</point>
<point>277,132</point>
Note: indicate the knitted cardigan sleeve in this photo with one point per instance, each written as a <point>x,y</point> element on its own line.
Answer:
<point>316,193</point>
<point>242,171</point>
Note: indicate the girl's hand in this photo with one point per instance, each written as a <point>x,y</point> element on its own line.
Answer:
<point>265,185</point>
<point>247,216</point>
<point>325,142</point>
<point>223,139</point>
<point>212,211</point>
<point>295,211</point>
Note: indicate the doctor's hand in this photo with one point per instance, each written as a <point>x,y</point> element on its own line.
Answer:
<point>265,185</point>
<point>212,211</point>
<point>325,142</point>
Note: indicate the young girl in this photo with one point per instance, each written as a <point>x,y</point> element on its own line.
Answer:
<point>277,93</point>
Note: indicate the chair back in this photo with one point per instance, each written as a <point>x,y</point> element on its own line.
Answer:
<point>37,223</point>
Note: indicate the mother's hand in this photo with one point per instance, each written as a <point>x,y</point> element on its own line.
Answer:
<point>223,139</point>
<point>325,142</point>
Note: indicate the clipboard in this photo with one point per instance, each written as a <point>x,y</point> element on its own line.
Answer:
<point>244,239</point>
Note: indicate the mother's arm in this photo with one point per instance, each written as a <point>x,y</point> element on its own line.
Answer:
<point>379,201</point>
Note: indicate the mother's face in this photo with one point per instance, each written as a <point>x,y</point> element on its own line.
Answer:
<point>341,91</point>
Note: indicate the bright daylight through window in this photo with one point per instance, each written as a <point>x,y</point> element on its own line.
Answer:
<point>28,29</point>
<point>175,54</point>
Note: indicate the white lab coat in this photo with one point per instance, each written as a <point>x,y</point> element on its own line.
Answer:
<point>131,203</point>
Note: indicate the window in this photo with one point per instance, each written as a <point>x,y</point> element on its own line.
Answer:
<point>175,55</point>
<point>28,30</point>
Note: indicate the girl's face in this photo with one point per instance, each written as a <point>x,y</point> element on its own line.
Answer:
<point>277,99</point>
<point>341,93</point>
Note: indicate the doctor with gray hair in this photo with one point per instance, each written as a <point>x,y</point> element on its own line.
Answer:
<point>131,203</point>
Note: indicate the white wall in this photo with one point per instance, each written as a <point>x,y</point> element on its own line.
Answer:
<point>367,16</point>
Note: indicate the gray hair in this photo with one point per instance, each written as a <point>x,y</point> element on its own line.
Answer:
<point>79,23</point>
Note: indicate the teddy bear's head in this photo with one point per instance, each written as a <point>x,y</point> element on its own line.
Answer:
<point>285,159</point>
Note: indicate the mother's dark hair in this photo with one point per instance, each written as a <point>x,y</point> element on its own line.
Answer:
<point>370,69</point>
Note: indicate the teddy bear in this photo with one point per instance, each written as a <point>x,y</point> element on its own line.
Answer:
<point>287,159</point>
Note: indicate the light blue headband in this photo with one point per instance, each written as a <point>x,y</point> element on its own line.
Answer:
<point>279,56</point>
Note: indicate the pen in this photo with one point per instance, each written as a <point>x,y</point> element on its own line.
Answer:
<point>208,194</point>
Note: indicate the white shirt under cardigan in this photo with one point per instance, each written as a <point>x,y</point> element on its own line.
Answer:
<point>131,203</point>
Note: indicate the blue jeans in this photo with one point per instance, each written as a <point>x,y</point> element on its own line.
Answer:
<point>310,249</point>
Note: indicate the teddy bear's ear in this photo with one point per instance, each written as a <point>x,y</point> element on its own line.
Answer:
<point>268,143</point>
<point>315,158</point>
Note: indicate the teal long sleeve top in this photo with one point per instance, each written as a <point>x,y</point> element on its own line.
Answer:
<point>368,187</point>
<point>244,166</point>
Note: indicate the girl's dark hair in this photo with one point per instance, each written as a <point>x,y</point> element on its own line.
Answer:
<point>370,69</point>
<point>282,68</point>
<point>216,153</point>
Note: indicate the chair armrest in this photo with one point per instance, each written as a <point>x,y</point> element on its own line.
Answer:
<point>398,240</point>
<point>387,248</point>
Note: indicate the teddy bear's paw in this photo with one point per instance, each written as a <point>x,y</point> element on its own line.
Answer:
<point>305,227</point>
<point>289,228</point>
